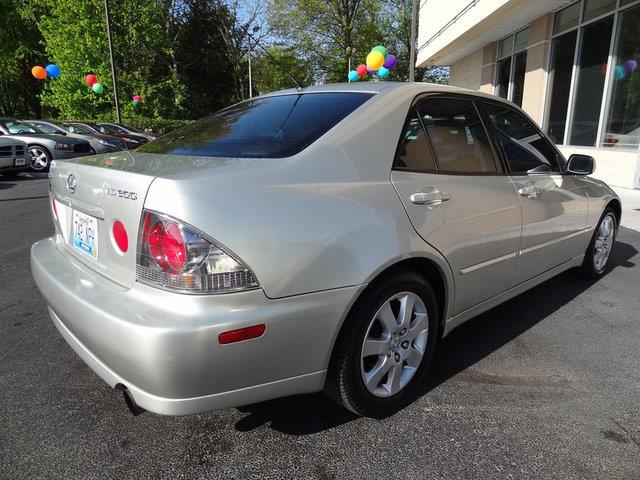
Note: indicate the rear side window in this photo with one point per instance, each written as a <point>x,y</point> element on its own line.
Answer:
<point>526,150</point>
<point>415,153</point>
<point>457,136</point>
<point>268,127</point>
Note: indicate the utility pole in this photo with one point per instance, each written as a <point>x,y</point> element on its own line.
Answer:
<point>113,66</point>
<point>254,30</point>
<point>412,50</point>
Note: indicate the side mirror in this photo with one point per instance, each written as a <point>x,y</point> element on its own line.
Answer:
<point>581,164</point>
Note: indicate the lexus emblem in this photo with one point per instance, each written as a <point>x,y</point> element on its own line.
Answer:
<point>72,183</point>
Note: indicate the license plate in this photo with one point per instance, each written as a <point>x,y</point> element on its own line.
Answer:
<point>85,234</point>
<point>19,162</point>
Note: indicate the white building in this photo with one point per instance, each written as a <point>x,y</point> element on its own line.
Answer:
<point>572,65</point>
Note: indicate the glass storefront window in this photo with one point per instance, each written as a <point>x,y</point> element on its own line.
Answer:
<point>522,40</point>
<point>595,8</point>
<point>594,53</point>
<point>567,18</point>
<point>505,47</point>
<point>504,71</point>
<point>562,55</point>
<point>623,119</point>
<point>519,72</point>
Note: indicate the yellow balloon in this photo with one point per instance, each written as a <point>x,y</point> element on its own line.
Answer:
<point>375,60</point>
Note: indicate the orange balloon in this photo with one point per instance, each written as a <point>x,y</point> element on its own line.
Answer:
<point>39,72</point>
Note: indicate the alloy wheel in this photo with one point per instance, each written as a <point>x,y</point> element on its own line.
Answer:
<point>394,344</point>
<point>39,159</point>
<point>604,242</point>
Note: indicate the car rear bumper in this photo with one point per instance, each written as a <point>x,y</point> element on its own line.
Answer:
<point>164,347</point>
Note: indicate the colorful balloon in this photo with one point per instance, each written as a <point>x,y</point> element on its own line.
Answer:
<point>39,72</point>
<point>135,103</point>
<point>97,87</point>
<point>371,71</point>
<point>383,72</point>
<point>391,62</point>
<point>630,66</point>
<point>603,68</point>
<point>619,72</point>
<point>53,70</point>
<point>353,76</point>
<point>361,70</point>
<point>137,97</point>
<point>375,60</point>
<point>381,49</point>
<point>91,79</point>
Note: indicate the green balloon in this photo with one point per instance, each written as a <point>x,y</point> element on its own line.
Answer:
<point>97,87</point>
<point>135,103</point>
<point>381,49</point>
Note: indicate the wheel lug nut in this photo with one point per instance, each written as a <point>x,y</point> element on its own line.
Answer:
<point>397,357</point>
<point>405,344</point>
<point>403,331</point>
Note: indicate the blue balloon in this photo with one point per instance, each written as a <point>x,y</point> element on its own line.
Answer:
<point>53,70</point>
<point>383,72</point>
<point>619,72</point>
<point>353,76</point>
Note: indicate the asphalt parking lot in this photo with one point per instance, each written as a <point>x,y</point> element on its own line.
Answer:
<point>544,386</point>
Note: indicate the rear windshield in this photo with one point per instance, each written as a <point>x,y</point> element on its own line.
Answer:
<point>268,127</point>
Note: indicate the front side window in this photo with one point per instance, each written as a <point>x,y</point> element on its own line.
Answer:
<point>525,149</point>
<point>46,128</point>
<point>266,127</point>
<point>457,136</point>
<point>415,153</point>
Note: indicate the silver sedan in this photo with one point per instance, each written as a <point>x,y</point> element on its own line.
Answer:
<point>317,239</point>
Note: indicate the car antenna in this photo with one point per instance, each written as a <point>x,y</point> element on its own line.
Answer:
<point>299,85</point>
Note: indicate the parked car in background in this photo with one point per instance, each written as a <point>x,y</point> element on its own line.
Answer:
<point>111,128</point>
<point>44,147</point>
<point>99,143</point>
<point>324,238</point>
<point>13,156</point>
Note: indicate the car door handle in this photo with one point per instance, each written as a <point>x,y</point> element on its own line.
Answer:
<point>429,198</point>
<point>529,191</point>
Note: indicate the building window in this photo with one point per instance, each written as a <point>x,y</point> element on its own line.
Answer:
<point>592,75</point>
<point>623,118</point>
<point>512,66</point>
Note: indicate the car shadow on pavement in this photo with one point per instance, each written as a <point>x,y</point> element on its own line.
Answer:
<point>460,350</point>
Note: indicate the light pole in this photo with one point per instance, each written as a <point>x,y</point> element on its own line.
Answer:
<point>350,52</point>
<point>412,50</point>
<point>113,66</point>
<point>254,30</point>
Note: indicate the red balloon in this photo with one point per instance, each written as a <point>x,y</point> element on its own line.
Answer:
<point>361,70</point>
<point>91,79</point>
<point>137,97</point>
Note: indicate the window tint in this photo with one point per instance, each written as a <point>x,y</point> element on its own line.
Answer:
<point>45,128</point>
<point>267,127</point>
<point>457,136</point>
<point>415,153</point>
<point>527,151</point>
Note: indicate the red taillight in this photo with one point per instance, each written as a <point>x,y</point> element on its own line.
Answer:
<point>120,236</point>
<point>233,336</point>
<point>167,246</point>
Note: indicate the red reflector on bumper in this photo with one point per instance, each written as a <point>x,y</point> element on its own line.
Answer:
<point>242,334</point>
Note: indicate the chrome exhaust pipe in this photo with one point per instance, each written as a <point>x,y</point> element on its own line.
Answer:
<point>133,407</point>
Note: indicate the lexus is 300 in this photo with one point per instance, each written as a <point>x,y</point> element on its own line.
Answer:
<point>324,238</point>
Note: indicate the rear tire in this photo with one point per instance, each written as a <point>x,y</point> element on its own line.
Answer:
<point>382,353</point>
<point>596,259</point>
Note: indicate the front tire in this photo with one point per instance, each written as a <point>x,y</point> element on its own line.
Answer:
<point>40,159</point>
<point>385,347</point>
<point>596,259</point>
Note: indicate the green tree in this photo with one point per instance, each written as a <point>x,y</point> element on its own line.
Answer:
<point>20,50</point>
<point>269,72</point>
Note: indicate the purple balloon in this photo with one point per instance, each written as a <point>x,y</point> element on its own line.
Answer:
<point>372,71</point>
<point>630,66</point>
<point>390,62</point>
